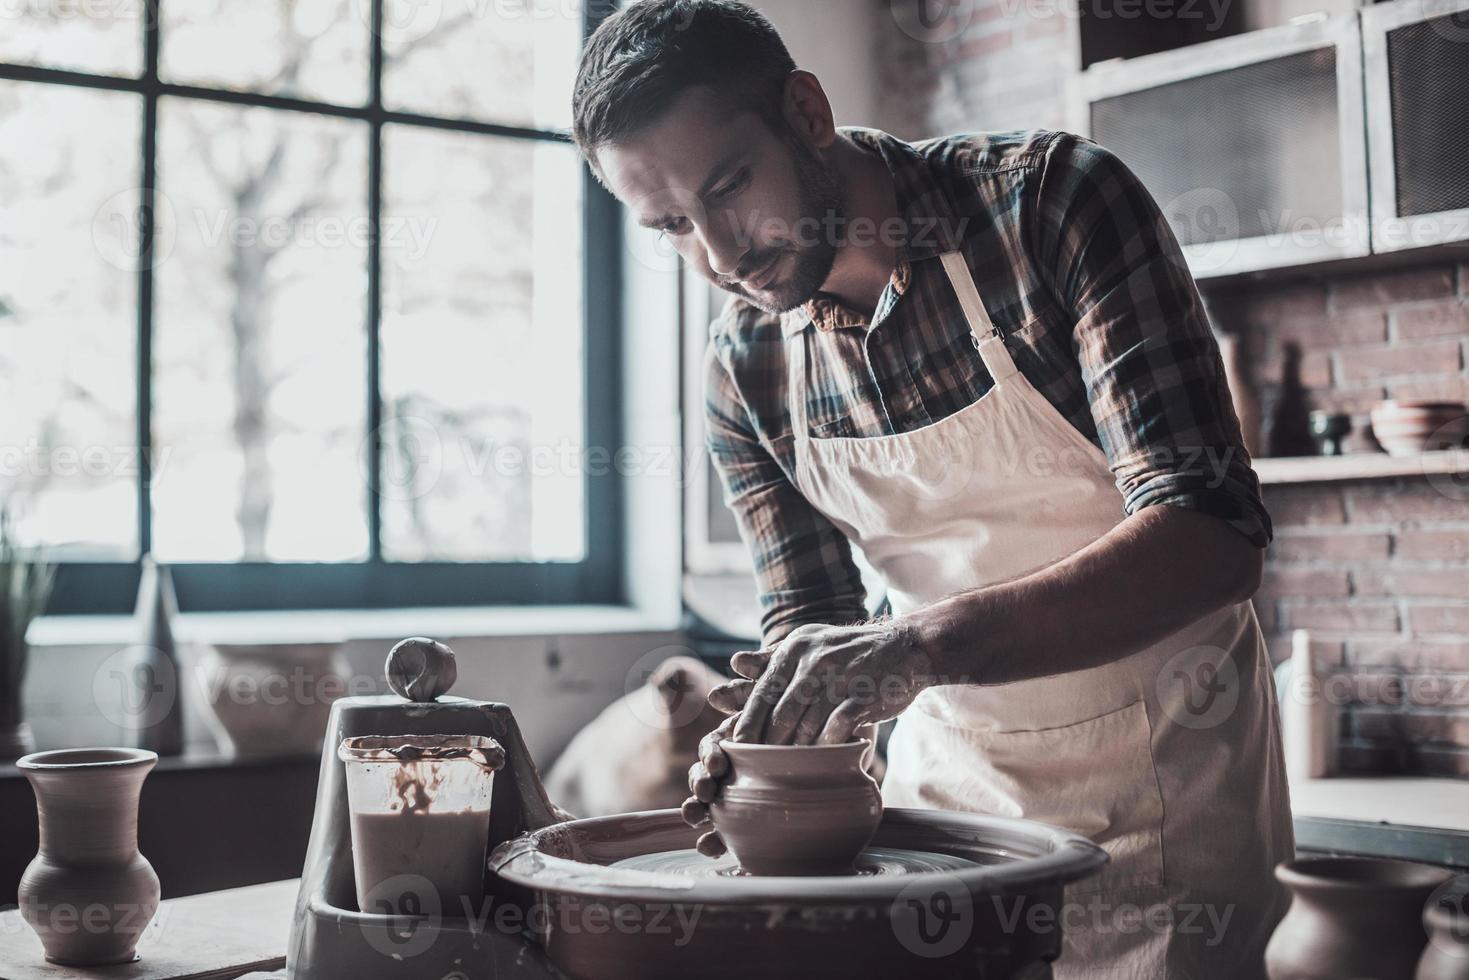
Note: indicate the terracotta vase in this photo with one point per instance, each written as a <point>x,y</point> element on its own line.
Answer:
<point>88,893</point>
<point>1447,917</point>
<point>270,700</point>
<point>797,809</point>
<point>1351,918</point>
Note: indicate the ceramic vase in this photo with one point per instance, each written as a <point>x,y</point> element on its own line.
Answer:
<point>1447,917</point>
<point>89,893</point>
<point>797,809</point>
<point>270,700</point>
<point>1351,918</point>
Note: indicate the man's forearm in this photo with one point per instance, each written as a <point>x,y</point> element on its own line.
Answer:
<point>1155,573</point>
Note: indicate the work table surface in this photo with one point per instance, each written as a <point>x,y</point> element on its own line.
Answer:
<point>216,936</point>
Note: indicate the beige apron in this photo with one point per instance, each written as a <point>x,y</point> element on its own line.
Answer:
<point>1169,758</point>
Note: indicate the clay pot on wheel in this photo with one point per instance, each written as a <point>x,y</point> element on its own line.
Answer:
<point>797,809</point>
<point>88,893</point>
<point>1447,919</point>
<point>1351,917</point>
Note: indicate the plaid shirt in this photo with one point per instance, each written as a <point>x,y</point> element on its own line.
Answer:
<point>1079,272</point>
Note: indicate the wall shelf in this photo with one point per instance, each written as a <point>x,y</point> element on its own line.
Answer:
<point>1359,466</point>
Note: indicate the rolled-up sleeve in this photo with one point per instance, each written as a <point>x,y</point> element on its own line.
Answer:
<point>1151,365</point>
<point>803,563</point>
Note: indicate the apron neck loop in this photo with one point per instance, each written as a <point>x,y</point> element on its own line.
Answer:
<point>987,339</point>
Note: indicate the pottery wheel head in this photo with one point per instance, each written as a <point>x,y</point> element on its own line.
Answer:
<point>872,861</point>
<point>421,669</point>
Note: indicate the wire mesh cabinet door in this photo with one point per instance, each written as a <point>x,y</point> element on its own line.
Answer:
<point>1253,145</point>
<point>1416,55</point>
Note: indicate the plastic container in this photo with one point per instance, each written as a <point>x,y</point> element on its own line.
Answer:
<point>419,809</point>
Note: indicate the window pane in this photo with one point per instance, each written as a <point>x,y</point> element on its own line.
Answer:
<point>482,349</point>
<point>504,61</point>
<point>260,357</point>
<point>312,49</point>
<point>101,37</point>
<point>68,316</point>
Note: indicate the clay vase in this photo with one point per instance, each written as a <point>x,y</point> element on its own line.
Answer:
<point>797,809</point>
<point>268,699</point>
<point>88,893</point>
<point>1351,917</point>
<point>1447,917</point>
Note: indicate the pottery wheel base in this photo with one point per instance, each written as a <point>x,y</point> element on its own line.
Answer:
<point>873,861</point>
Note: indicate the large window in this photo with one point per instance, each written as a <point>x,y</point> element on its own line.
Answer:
<point>302,297</point>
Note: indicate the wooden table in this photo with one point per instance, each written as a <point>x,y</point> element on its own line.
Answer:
<point>215,936</point>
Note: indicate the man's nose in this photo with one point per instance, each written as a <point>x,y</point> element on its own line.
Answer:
<point>723,246</point>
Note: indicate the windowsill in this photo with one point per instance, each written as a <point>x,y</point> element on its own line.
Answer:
<point>342,625</point>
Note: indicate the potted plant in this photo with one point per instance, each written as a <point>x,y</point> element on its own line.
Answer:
<point>26,582</point>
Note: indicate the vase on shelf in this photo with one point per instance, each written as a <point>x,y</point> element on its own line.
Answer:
<point>153,695</point>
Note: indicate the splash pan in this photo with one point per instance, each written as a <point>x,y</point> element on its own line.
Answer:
<point>936,894</point>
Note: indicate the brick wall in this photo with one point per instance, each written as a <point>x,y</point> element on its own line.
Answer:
<point>1378,571</point>
<point>984,65</point>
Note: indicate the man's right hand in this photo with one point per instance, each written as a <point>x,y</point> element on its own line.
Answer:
<point>708,773</point>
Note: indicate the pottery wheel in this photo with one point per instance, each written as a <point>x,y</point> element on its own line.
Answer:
<point>873,861</point>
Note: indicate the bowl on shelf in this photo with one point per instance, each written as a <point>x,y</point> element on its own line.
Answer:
<point>1405,428</point>
<point>1329,429</point>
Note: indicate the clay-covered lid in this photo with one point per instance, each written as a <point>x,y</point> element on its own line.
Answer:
<point>482,750</point>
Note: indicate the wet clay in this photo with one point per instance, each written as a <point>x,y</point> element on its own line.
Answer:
<point>421,827</point>
<point>89,893</point>
<point>437,848</point>
<point>797,809</point>
<point>421,669</point>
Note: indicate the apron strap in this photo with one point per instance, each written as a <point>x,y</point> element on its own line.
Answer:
<point>987,339</point>
<point>796,397</point>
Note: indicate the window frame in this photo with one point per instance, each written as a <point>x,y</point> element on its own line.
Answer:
<point>110,587</point>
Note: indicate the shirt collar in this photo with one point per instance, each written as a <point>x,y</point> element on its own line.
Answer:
<point>933,226</point>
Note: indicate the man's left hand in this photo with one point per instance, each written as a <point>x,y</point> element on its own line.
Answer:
<point>821,683</point>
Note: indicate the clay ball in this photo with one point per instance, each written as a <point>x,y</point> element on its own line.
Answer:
<point>421,669</point>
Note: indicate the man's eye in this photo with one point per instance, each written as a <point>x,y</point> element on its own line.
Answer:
<point>678,226</point>
<point>732,188</point>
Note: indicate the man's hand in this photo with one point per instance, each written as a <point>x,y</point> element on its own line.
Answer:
<point>820,685</point>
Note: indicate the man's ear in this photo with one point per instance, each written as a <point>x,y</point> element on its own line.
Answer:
<point>808,110</point>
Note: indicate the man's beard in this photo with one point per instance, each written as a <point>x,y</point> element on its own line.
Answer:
<point>823,206</point>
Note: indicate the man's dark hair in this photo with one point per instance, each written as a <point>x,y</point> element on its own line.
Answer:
<point>644,57</point>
